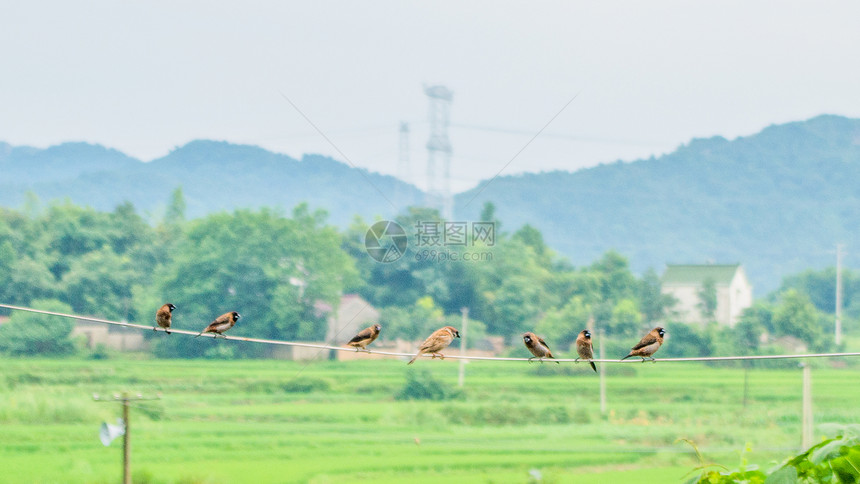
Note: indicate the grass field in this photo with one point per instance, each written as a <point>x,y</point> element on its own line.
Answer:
<point>330,422</point>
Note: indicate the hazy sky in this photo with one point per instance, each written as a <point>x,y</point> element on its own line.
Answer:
<point>146,77</point>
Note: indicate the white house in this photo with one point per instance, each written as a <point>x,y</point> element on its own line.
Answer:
<point>685,284</point>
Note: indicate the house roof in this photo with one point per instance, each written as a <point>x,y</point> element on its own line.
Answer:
<point>696,274</point>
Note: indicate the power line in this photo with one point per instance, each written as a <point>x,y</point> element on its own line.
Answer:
<point>402,355</point>
<point>570,137</point>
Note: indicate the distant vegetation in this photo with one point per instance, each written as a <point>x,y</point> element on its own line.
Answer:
<point>777,201</point>
<point>214,176</point>
<point>277,269</point>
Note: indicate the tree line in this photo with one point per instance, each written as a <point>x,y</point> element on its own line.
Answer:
<point>280,269</point>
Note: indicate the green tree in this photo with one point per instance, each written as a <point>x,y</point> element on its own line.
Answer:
<point>405,280</point>
<point>626,319</point>
<point>561,326</point>
<point>532,238</point>
<point>488,214</point>
<point>616,280</point>
<point>175,213</point>
<point>653,302</point>
<point>760,315</point>
<point>38,334</point>
<point>413,322</point>
<point>100,283</point>
<point>269,268</point>
<point>746,336</point>
<point>688,340</point>
<point>510,289</point>
<point>820,286</point>
<point>796,316</point>
<point>29,280</point>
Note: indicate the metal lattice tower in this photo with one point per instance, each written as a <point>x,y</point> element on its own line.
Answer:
<point>439,151</point>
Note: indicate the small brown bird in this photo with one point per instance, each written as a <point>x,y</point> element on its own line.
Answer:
<point>222,323</point>
<point>163,315</point>
<point>537,346</point>
<point>584,348</point>
<point>436,342</point>
<point>648,345</point>
<point>365,337</point>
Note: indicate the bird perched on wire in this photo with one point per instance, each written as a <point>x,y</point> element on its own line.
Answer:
<point>584,348</point>
<point>648,345</point>
<point>163,315</point>
<point>436,342</point>
<point>537,346</point>
<point>364,337</point>
<point>222,323</point>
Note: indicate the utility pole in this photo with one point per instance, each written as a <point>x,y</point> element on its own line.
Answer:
<point>126,444</point>
<point>602,374</point>
<point>125,398</point>
<point>806,424</point>
<point>461,378</point>
<point>838,337</point>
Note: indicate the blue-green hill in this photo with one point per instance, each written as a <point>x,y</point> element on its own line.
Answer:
<point>776,201</point>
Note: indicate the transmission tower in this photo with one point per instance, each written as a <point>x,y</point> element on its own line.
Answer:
<point>439,151</point>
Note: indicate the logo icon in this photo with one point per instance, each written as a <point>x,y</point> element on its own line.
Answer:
<point>385,241</point>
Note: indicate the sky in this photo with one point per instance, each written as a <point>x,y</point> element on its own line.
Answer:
<point>596,82</point>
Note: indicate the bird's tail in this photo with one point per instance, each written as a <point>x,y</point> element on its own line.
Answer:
<point>200,334</point>
<point>628,356</point>
<point>414,358</point>
<point>593,366</point>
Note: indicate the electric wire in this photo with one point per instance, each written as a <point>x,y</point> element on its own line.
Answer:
<point>450,356</point>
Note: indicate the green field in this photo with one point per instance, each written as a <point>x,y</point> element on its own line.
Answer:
<point>328,422</point>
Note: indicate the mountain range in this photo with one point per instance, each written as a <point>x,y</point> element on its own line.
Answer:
<point>777,201</point>
<point>214,176</point>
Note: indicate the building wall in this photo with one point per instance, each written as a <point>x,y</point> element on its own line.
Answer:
<point>732,299</point>
<point>742,296</point>
<point>299,353</point>
<point>686,308</point>
<point>115,338</point>
<point>723,314</point>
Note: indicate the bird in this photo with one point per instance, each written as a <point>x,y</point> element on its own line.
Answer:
<point>648,345</point>
<point>537,346</point>
<point>163,315</point>
<point>436,342</point>
<point>222,323</point>
<point>584,348</point>
<point>365,337</point>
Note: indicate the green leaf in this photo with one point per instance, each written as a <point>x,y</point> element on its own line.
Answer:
<point>828,451</point>
<point>694,479</point>
<point>785,475</point>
